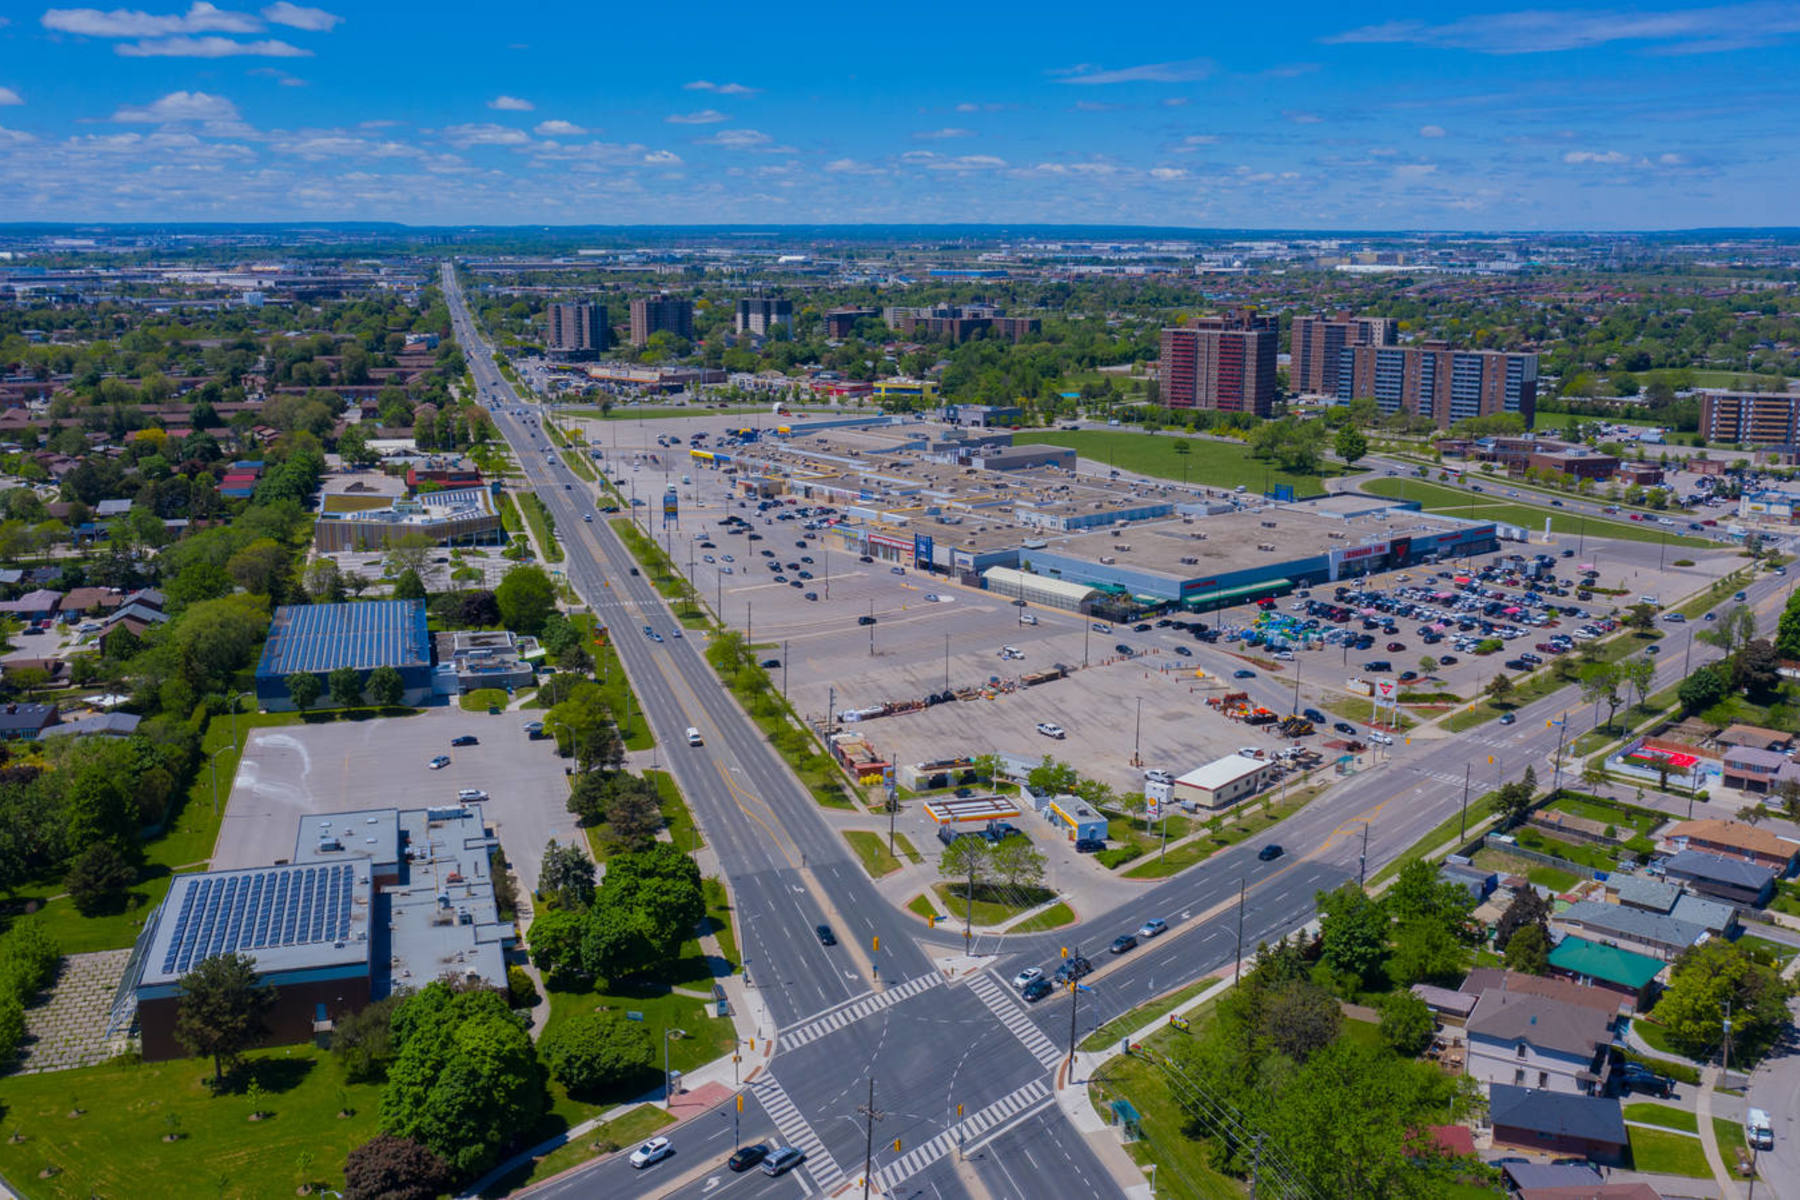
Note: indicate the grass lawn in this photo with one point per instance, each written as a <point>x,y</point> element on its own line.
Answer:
<point>718,916</point>
<point>1361,709</point>
<point>661,573</point>
<point>680,822</point>
<point>871,850</point>
<point>1484,507</point>
<point>578,463</point>
<point>1054,917</point>
<point>1221,464</point>
<point>1662,1114</point>
<point>1643,820</point>
<point>1543,682</point>
<point>904,845</point>
<point>992,906</point>
<point>341,503</point>
<point>609,673</point>
<point>620,1132</point>
<point>1554,878</point>
<point>922,907</point>
<point>1730,1136</point>
<point>481,699</point>
<point>1143,1014</point>
<point>1268,812</point>
<point>1780,951</point>
<point>1450,827</point>
<point>1184,1163</point>
<point>1656,1037</point>
<point>1663,1153</point>
<point>116,1148</point>
<point>538,517</point>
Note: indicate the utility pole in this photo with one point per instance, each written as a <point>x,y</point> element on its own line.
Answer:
<point>1238,970</point>
<point>871,1114</point>
<point>749,627</point>
<point>1074,998</point>
<point>1362,860</point>
<point>1256,1167</point>
<point>1463,833</point>
<point>1137,738</point>
<point>784,662</point>
<point>946,662</point>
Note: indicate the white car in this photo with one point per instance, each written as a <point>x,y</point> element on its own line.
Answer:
<point>652,1151</point>
<point>1026,976</point>
<point>1155,775</point>
<point>1049,730</point>
<point>1381,739</point>
<point>1027,619</point>
<point>471,794</point>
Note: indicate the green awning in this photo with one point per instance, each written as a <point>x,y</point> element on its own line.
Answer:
<point>1579,956</point>
<point>1207,599</point>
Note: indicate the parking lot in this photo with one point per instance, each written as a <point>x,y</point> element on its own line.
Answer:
<point>288,771</point>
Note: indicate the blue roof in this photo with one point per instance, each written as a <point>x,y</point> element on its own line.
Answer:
<point>323,637</point>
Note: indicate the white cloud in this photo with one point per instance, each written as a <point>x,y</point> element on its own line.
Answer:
<point>485,134</point>
<point>706,116</point>
<point>1682,31</point>
<point>939,135</point>
<point>1185,71</point>
<point>1097,106</point>
<point>662,158</point>
<point>723,89</point>
<point>967,162</point>
<point>8,96</point>
<point>738,139</point>
<point>132,23</point>
<point>1672,160</point>
<point>1431,131</point>
<point>1168,173</point>
<point>209,47</point>
<point>1176,101</point>
<point>14,137</point>
<point>1606,158</point>
<point>851,166</point>
<point>558,129</point>
<point>1414,170</point>
<point>1303,118</point>
<point>179,106</point>
<point>315,146</point>
<point>314,20</point>
<point>1200,139</point>
<point>511,104</point>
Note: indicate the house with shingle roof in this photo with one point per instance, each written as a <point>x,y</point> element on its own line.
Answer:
<point>1731,880</point>
<point>1557,1122</point>
<point>1658,935</point>
<point>1733,839</point>
<point>1534,1041</point>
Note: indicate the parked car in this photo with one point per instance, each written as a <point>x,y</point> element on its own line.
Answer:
<point>471,794</point>
<point>1089,845</point>
<point>1344,727</point>
<point>1050,730</point>
<point>439,763</point>
<point>467,739</point>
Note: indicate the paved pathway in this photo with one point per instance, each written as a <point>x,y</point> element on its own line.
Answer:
<point>1709,1142</point>
<point>69,1028</point>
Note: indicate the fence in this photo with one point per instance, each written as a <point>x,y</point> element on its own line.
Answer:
<point>1579,870</point>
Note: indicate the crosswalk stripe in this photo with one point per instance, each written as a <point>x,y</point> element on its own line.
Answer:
<point>797,1133</point>
<point>855,1009</point>
<point>991,993</point>
<point>1009,1107</point>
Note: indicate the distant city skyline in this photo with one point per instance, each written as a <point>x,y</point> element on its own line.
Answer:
<point>1309,117</point>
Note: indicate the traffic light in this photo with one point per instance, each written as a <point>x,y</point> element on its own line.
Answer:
<point>878,943</point>
<point>1065,952</point>
<point>896,1145</point>
<point>740,1102</point>
<point>931,921</point>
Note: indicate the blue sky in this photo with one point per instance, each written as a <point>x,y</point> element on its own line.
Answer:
<point>1298,115</point>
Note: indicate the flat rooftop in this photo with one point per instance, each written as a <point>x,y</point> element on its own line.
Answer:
<point>442,916</point>
<point>322,637</point>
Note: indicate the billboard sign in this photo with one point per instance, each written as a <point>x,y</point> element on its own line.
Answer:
<point>671,505</point>
<point>922,545</point>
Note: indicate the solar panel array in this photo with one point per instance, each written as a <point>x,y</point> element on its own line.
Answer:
<point>322,637</point>
<point>284,907</point>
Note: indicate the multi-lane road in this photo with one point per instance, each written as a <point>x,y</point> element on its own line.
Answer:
<point>848,1013</point>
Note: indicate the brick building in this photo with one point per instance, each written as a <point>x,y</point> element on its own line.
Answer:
<point>1316,345</point>
<point>1221,362</point>
<point>1433,381</point>
<point>661,314</point>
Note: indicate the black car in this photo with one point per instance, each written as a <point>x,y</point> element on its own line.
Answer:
<point>865,620</point>
<point>1122,943</point>
<point>1089,845</point>
<point>826,937</point>
<point>1640,1079</point>
<point>1184,652</point>
<point>1141,627</point>
<point>748,1157</point>
<point>770,664</point>
<point>1314,715</point>
<point>467,739</point>
<point>1122,648</point>
<point>1269,853</point>
<point>1345,728</point>
<point>1073,967</point>
<point>1036,990</point>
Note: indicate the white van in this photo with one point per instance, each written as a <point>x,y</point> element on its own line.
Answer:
<point>693,737</point>
<point>1757,1130</point>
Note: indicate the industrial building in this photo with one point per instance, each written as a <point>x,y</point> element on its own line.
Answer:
<point>320,638</point>
<point>469,659</point>
<point>452,517</point>
<point>1223,782</point>
<point>371,901</point>
<point>1444,385</point>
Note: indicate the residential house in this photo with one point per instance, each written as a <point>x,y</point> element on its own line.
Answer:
<point>1659,935</point>
<point>1538,1042</point>
<point>38,605</point>
<point>1483,979</point>
<point>1479,883</point>
<point>1594,1191</point>
<point>55,668</point>
<point>112,724</point>
<point>1669,898</point>
<point>1729,879</point>
<point>1521,1173</point>
<point>1630,978</point>
<point>1449,1006</point>
<point>1755,737</point>
<point>1557,1122</point>
<point>1751,770</point>
<point>106,510</point>
<point>89,599</point>
<point>25,722</point>
<point>1734,839</point>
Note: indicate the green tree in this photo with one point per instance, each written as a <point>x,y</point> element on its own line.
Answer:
<point>304,689</point>
<point>1733,630</point>
<point>1527,908</point>
<point>1052,778</point>
<point>567,874</point>
<point>1701,690</point>
<point>466,1081</point>
<point>1528,950</point>
<point>1017,863</point>
<point>1500,686</point>
<point>1353,932</point>
<point>1351,445</point>
<point>346,686</point>
<point>1638,674</point>
<point>1787,629</point>
<point>526,598</point>
<point>555,938</point>
<point>633,812</point>
<point>1600,685</point>
<point>409,552</point>
<point>1407,1023</point>
<point>582,725</point>
<point>12,1024</point>
<point>408,586</point>
<point>595,1051</point>
<point>386,686</point>
<point>1756,669</point>
<point>97,879</point>
<point>260,568</point>
<point>222,1010</point>
<point>1426,952</point>
<point>1299,1018</point>
<point>1706,978</point>
<point>363,1040</point>
<point>1514,799</point>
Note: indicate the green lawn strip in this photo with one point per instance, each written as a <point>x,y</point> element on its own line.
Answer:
<point>718,914</point>
<point>1680,1072</point>
<point>578,463</point>
<point>1184,1163</point>
<point>542,526</point>
<point>1054,917</point>
<point>680,822</point>
<point>609,673</point>
<point>1219,463</point>
<point>1251,819</point>
<point>1781,951</point>
<point>871,850</point>
<point>628,413</point>
<point>1643,820</point>
<point>1656,1037</point>
<point>923,907</point>
<point>661,573</point>
<point>1663,1115</point>
<point>1449,828</point>
<point>1664,1153</point>
<point>481,699</point>
<point>1730,1136</point>
<point>116,1147</point>
<point>904,845</point>
<point>1545,682</point>
<point>1554,878</point>
<point>510,520</point>
<point>992,906</point>
<point>1486,507</point>
<point>619,1133</point>
<point>1143,1014</point>
<point>1362,709</point>
<point>1696,607</point>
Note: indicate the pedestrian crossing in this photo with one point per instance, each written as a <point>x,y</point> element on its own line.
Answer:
<point>854,1010</point>
<point>1014,1105</point>
<point>992,993</point>
<point>797,1133</point>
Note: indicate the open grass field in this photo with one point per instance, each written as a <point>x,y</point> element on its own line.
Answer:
<point>1486,507</point>
<point>871,850</point>
<point>623,1131</point>
<point>1143,1014</point>
<point>1054,917</point>
<point>1663,1153</point>
<point>1213,463</point>
<point>992,905</point>
<point>1184,1167</point>
<point>1645,1113</point>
